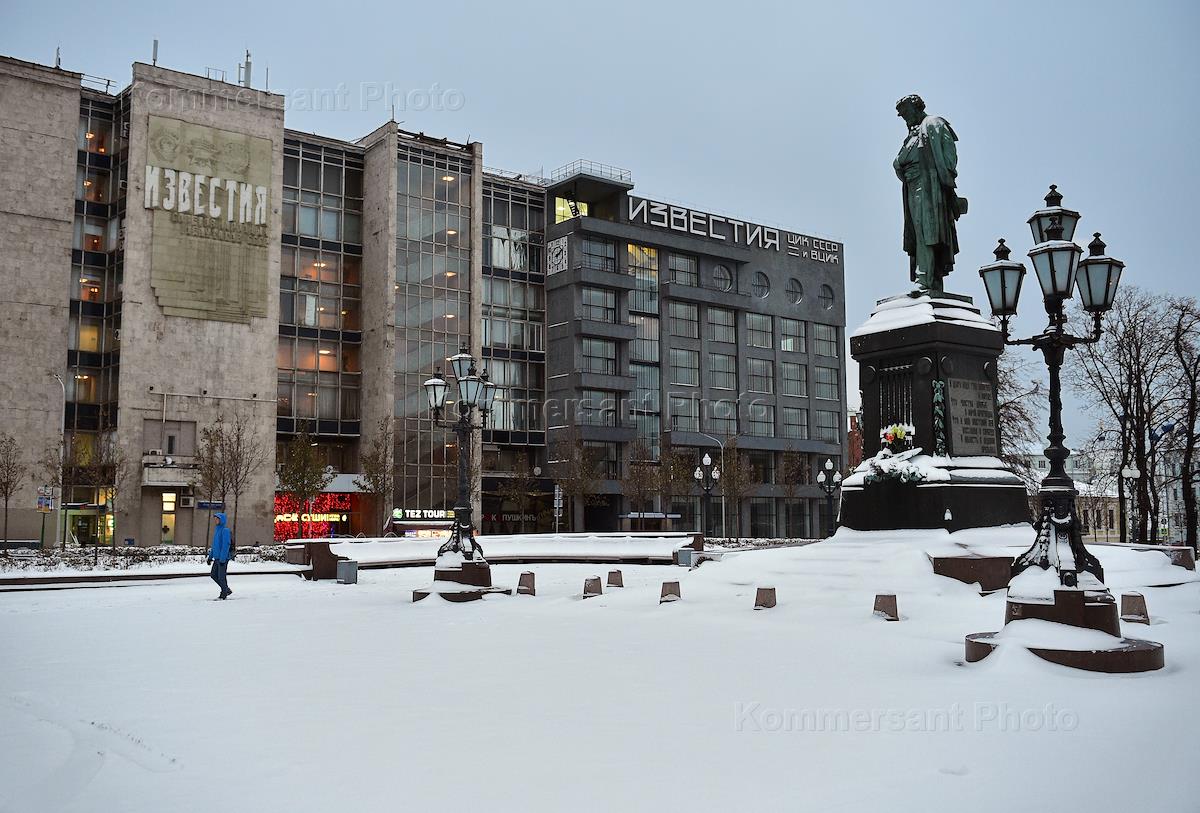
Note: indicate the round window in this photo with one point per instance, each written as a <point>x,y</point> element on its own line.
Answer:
<point>826,297</point>
<point>795,291</point>
<point>723,277</point>
<point>761,286</point>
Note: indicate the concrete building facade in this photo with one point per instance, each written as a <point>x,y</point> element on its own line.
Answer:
<point>179,257</point>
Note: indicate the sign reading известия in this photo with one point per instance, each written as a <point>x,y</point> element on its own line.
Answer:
<point>176,190</point>
<point>207,192</point>
<point>731,230</point>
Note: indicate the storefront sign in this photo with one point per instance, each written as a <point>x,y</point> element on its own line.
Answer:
<point>730,230</point>
<point>410,514</point>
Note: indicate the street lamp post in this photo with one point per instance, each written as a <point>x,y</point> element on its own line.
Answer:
<point>475,392</point>
<point>1060,272</point>
<point>59,530</point>
<point>720,445</point>
<point>707,475</point>
<point>829,481</point>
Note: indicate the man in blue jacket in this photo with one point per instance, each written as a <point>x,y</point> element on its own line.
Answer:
<point>219,555</point>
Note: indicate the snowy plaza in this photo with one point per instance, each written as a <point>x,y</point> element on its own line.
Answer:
<point>317,696</point>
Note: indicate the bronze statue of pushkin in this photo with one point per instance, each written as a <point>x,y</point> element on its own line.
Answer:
<point>927,167</point>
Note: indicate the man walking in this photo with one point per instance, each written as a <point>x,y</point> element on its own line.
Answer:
<point>219,555</point>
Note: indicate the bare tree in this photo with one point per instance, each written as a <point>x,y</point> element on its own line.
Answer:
<point>1185,343</point>
<point>1020,415</point>
<point>675,467</point>
<point>795,472</point>
<point>302,472</point>
<point>244,454</point>
<point>377,473</point>
<point>210,478</point>
<point>641,479</point>
<point>575,467</point>
<point>737,481</point>
<point>12,473</point>
<point>1129,375</point>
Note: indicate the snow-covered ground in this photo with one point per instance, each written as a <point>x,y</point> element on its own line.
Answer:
<point>304,696</point>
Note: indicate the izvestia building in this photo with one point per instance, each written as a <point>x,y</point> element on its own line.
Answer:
<point>175,256</point>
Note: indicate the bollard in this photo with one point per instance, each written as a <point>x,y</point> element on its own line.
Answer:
<point>1133,608</point>
<point>615,579</point>
<point>670,592</point>
<point>764,598</point>
<point>525,586</point>
<point>885,606</point>
<point>591,587</point>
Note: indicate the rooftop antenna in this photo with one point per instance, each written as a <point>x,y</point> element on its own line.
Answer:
<point>244,71</point>
<point>154,54</point>
<point>267,83</point>
<point>58,57</point>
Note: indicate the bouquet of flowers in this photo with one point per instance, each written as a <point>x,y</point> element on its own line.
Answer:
<point>897,437</point>
<point>888,465</point>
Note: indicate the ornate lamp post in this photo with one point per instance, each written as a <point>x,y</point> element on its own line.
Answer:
<point>707,475</point>
<point>460,559</point>
<point>1060,272</point>
<point>829,481</point>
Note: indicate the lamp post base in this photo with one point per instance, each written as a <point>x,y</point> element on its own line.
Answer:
<point>1087,610</point>
<point>459,580</point>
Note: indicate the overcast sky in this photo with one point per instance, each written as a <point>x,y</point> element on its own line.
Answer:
<point>782,113</point>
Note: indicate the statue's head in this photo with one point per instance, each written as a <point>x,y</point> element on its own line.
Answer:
<point>912,109</point>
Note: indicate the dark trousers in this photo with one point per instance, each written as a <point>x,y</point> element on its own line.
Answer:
<point>218,575</point>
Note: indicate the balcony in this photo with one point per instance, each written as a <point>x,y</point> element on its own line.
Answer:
<point>168,471</point>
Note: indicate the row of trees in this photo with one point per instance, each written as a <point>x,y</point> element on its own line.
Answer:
<point>98,465</point>
<point>1141,382</point>
<point>577,469</point>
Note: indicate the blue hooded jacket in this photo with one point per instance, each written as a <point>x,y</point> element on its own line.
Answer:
<point>219,552</point>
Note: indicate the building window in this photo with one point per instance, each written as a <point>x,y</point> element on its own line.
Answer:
<point>794,291</point>
<point>722,371</point>
<point>608,458</point>
<point>826,383</point>
<point>598,408</point>
<point>648,384</point>
<point>828,426</point>
<point>722,325</point>
<point>759,330</point>
<point>685,366</point>
<point>795,379</point>
<point>685,319</point>
<point>792,336</point>
<point>643,265</point>
<point>567,209</point>
<point>648,429</point>
<point>684,270</point>
<point>598,254</point>
<point>645,346</point>
<point>762,467</point>
<point>761,287</point>
<point>762,375</point>
<point>762,420</point>
<point>685,414</point>
<point>723,278</point>
<point>762,517</point>
<point>599,304</point>
<point>827,297</point>
<point>795,423</point>
<point>722,418</point>
<point>826,339</point>
<point>600,356</point>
